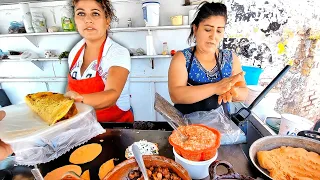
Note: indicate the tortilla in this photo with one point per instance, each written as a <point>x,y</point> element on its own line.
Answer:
<point>85,153</point>
<point>290,163</point>
<point>51,107</point>
<point>85,175</point>
<point>105,168</point>
<point>59,172</point>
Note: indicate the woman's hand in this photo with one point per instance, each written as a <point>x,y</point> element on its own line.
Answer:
<point>232,93</point>
<point>2,115</point>
<point>74,95</point>
<point>226,84</point>
<point>5,149</point>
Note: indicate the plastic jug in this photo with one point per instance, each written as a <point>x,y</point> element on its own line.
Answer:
<point>151,13</point>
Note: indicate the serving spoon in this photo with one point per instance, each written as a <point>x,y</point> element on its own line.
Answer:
<point>138,156</point>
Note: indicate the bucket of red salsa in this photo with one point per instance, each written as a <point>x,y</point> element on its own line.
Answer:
<point>202,144</point>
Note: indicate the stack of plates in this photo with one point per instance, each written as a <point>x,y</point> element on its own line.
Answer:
<point>274,123</point>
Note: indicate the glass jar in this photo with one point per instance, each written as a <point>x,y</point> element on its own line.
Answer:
<point>165,49</point>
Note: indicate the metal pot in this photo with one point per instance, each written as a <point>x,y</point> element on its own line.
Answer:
<point>272,142</point>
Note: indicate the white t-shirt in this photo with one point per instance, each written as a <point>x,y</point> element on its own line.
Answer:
<point>113,55</point>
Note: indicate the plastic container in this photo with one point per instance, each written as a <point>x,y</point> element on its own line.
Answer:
<point>192,15</point>
<point>200,155</point>
<point>292,124</point>
<point>176,20</point>
<point>151,13</point>
<point>252,74</point>
<point>196,169</point>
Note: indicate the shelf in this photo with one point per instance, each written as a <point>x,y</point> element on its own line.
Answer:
<point>10,2</point>
<point>28,60</point>
<point>13,79</point>
<point>133,29</point>
<point>37,62</point>
<point>65,59</point>
<point>64,79</point>
<point>33,37</point>
<point>37,34</point>
<point>150,57</point>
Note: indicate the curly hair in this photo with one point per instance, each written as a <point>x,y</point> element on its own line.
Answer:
<point>105,4</point>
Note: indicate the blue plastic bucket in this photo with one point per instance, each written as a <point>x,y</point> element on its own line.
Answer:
<point>252,74</point>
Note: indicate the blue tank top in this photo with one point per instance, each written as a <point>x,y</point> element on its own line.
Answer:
<point>199,74</point>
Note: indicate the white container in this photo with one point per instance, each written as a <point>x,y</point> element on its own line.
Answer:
<point>265,108</point>
<point>192,15</point>
<point>196,169</point>
<point>150,45</point>
<point>185,20</point>
<point>292,124</point>
<point>151,13</point>
<point>26,17</point>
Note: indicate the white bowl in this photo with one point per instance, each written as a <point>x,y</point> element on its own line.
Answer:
<point>292,124</point>
<point>196,169</point>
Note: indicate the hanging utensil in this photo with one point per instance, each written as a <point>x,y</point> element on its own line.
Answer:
<point>138,156</point>
<point>239,118</point>
<point>171,114</point>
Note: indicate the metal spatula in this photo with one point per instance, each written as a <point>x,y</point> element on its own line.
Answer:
<point>171,114</point>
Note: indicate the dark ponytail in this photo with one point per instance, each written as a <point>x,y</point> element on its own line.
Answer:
<point>205,10</point>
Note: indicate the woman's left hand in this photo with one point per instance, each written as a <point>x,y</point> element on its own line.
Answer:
<point>74,95</point>
<point>5,149</point>
<point>228,96</point>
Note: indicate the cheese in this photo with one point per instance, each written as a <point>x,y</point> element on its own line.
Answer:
<point>145,147</point>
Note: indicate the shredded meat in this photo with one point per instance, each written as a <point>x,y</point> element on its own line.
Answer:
<point>154,173</point>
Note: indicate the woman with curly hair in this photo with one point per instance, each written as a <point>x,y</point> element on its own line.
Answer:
<point>98,66</point>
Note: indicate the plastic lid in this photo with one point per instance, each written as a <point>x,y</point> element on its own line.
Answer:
<point>151,2</point>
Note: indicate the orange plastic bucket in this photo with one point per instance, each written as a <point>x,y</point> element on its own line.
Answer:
<point>199,155</point>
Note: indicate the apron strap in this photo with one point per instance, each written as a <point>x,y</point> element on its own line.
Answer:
<point>224,105</point>
<point>191,60</point>
<point>75,59</point>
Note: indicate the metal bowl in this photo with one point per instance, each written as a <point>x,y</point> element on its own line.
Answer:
<point>122,170</point>
<point>272,142</point>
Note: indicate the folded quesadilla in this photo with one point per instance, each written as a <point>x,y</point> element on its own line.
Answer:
<point>51,107</point>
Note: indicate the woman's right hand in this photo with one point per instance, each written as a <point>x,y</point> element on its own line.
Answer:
<point>226,84</point>
<point>2,115</point>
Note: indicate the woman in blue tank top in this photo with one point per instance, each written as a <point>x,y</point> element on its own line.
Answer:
<point>201,78</point>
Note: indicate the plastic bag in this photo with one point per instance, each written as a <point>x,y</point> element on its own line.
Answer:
<point>39,22</point>
<point>34,142</point>
<point>230,132</point>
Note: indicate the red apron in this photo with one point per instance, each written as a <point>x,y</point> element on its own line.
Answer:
<point>96,84</point>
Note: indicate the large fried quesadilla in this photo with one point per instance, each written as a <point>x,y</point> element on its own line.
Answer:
<point>51,107</point>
